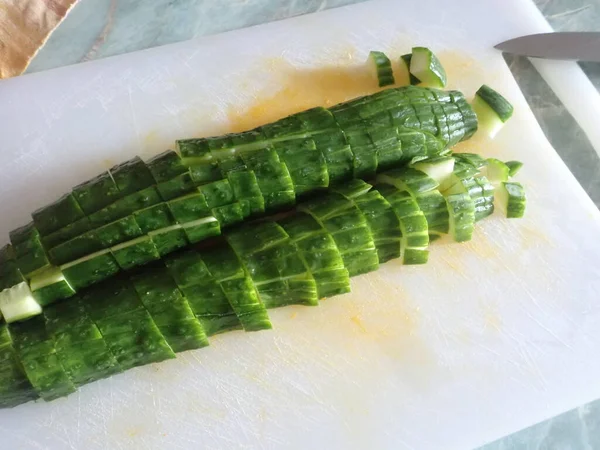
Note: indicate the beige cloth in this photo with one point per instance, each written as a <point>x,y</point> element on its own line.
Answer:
<point>25,25</point>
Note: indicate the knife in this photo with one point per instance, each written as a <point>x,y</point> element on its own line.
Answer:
<point>578,46</point>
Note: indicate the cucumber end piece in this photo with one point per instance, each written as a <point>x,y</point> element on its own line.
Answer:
<point>426,66</point>
<point>17,303</point>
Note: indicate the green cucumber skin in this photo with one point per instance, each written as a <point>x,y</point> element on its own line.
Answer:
<point>176,304</point>
<point>407,122</point>
<point>502,107</point>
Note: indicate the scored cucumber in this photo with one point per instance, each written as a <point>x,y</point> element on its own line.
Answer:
<point>492,110</point>
<point>461,210</point>
<point>427,67</point>
<point>381,66</point>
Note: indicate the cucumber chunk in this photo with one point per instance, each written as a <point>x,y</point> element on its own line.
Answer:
<point>96,193</point>
<point>50,285</point>
<point>405,62</point>
<point>18,303</point>
<point>462,216</point>
<point>64,211</point>
<point>511,196</point>
<point>427,67</point>
<point>90,269</point>
<point>135,252</point>
<point>513,167</point>
<point>131,176</point>
<point>496,171</point>
<point>166,166</point>
<point>381,66</point>
<point>492,110</point>
<point>440,169</point>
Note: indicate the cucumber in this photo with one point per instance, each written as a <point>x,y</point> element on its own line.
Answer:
<point>492,110</point>
<point>135,252</point>
<point>17,303</point>
<point>413,224</point>
<point>53,217</point>
<point>90,269</point>
<point>131,176</point>
<point>203,292</point>
<point>349,229</point>
<point>461,216</point>
<point>473,160</point>
<point>166,166</point>
<point>433,205</point>
<point>511,195</point>
<point>382,221</point>
<point>37,354</point>
<point>305,164</point>
<point>427,67</point>
<point>95,194</point>
<point>513,167</point>
<point>225,267</point>
<point>381,66</point>
<point>405,62</point>
<point>125,206</point>
<point>496,171</point>
<point>320,254</point>
<point>440,169</point>
<point>271,259</point>
<point>50,285</point>
<point>66,233</point>
<point>171,238</point>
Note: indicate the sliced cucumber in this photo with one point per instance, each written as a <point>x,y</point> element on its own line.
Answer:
<point>427,67</point>
<point>461,209</point>
<point>513,167</point>
<point>381,66</point>
<point>90,269</point>
<point>497,171</point>
<point>511,196</point>
<point>18,303</point>
<point>405,61</point>
<point>492,110</point>
<point>50,285</point>
<point>440,169</point>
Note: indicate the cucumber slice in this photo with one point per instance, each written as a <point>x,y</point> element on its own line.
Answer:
<point>337,153</point>
<point>410,179</point>
<point>119,231</point>
<point>461,209</point>
<point>154,218</point>
<point>90,269</point>
<point>273,178</point>
<point>177,186</point>
<point>381,66</point>
<point>413,225</point>
<point>434,207</point>
<point>78,247</point>
<point>440,169</point>
<point>405,62</point>
<point>169,239</point>
<point>247,192</point>
<point>492,110</point>
<point>31,256</point>
<point>135,252</point>
<point>66,233</point>
<point>473,160</point>
<point>166,166</point>
<point>513,167</point>
<point>225,266</point>
<point>23,234</point>
<point>53,217</point>
<point>389,148</point>
<point>198,230</point>
<point>496,171</point>
<point>40,363</point>
<point>305,164</point>
<point>132,176</point>
<point>189,207</point>
<point>125,206</point>
<point>50,285</point>
<point>18,303</point>
<point>217,193</point>
<point>484,205</point>
<point>95,194</point>
<point>511,195</point>
<point>427,67</point>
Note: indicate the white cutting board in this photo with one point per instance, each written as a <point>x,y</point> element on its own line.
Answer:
<point>489,337</point>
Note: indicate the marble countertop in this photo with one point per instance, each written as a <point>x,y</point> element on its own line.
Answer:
<point>100,28</point>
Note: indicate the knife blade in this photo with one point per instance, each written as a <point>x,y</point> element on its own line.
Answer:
<point>577,45</point>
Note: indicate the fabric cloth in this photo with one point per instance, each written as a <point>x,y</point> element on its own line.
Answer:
<point>25,25</point>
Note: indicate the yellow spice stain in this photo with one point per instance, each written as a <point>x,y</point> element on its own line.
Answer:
<point>302,89</point>
<point>358,321</point>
